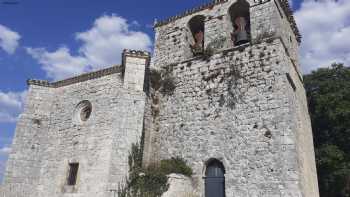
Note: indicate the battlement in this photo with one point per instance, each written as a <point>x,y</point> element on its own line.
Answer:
<point>95,74</point>
<point>191,11</point>
<point>76,79</point>
<point>136,53</point>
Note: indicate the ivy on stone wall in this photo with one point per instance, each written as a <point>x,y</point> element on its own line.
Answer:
<point>163,80</point>
<point>215,45</point>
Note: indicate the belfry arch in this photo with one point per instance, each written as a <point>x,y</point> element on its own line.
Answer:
<point>240,19</point>
<point>197,28</point>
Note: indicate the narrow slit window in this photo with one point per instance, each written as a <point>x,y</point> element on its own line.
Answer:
<point>73,172</point>
<point>291,82</point>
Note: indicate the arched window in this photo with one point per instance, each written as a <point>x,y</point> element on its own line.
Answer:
<point>215,179</point>
<point>196,25</point>
<point>240,18</point>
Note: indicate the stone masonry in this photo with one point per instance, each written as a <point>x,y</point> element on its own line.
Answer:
<point>48,137</point>
<point>244,106</point>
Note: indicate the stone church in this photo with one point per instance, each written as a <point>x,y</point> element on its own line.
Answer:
<point>230,101</point>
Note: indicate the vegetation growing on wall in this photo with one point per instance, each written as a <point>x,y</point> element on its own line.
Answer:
<point>235,94</point>
<point>328,93</point>
<point>213,46</point>
<point>236,82</point>
<point>163,80</point>
<point>150,181</point>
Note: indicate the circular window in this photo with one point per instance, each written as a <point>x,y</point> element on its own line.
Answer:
<point>83,111</point>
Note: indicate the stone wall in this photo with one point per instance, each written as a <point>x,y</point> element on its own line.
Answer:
<point>304,140</point>
<point>179,186</point>
<point>24,164</point>
<point>240,108</point>
<point>243,105</point>
<point>267,18</point>
<point>51,134</point>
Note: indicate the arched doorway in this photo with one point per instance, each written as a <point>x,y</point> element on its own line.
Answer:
<point>215,179</point>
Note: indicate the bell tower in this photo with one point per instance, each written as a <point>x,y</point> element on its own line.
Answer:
<point>238,99</point>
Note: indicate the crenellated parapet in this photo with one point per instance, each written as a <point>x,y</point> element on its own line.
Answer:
<point>190,12</point>
<point>38,82</point>
<point>76,79</point>
<point>289,12</point>
<point>136,53</point>
<point>134,63</point>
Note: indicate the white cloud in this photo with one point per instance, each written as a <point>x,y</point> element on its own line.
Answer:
<point>102,46</point>
<point>8,39</point>
<point>5,150</point>
<point>11,105</point>
<point>60,63</point>
<point>325,27</point>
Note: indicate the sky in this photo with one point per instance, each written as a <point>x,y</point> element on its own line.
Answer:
<point>56,39</point>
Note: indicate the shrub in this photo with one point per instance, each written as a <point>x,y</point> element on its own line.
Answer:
<point>175,165</point>
<point>163,80</point>
<point>150,181</point>
<point>155,79</point>
<point>168,85</point>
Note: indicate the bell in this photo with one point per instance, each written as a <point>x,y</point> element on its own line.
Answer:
<point>241,34</point>
<point>241,37</point>
<point>197,47</point>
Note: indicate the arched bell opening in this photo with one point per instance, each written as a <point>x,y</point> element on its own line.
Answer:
<point>196,25</point>
<point>214,179</point>
<point>240,19</point>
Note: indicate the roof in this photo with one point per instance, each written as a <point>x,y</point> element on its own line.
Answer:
<point>284,4</point>
<point>77,79</point>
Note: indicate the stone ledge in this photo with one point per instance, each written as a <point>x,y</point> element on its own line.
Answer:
<point>76,79</point>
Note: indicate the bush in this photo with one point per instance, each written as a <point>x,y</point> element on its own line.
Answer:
<point>175,165</point>
<point>168,86</point>
<point>150,181</point>
<point>163,81</point>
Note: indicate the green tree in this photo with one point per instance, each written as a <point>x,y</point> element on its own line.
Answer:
<point>328,93</point>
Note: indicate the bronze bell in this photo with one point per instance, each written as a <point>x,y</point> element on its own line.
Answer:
<point>240,35</point>
<point>197,47</point>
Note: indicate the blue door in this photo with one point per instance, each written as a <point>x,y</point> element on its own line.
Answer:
<point>215,179</point>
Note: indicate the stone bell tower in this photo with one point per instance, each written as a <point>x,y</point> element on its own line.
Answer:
<point>236,110</point>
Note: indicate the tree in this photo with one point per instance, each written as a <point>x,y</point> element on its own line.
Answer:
<point>328,93</point>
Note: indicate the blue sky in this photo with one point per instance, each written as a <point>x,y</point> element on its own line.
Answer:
<point>56,39</point>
